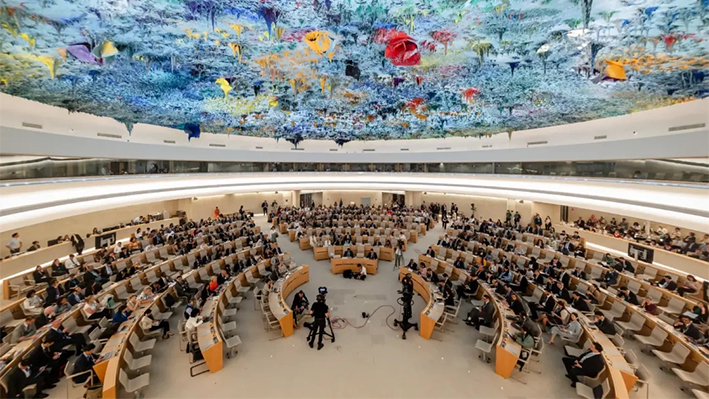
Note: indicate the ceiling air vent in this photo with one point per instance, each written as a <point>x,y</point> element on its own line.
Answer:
<point>368,150</point>
<point>169,141</point>
<point>110,136</point>
<point>487,146</point>
<point>218,145</point>
<point>259,148</point>
<point>687,127</point>
<point>531,143</point>
<point>333,149</point>
<point>32,125</point>
<point>443,148</point>
<point>600,137</point>
<point>403,149</point>
<point>297,149</point>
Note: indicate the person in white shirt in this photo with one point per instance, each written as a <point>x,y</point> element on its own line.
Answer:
<point>136,220</point>
<point>71,264</point>
<point>32,305</point>
<point>362,274</point>
<point>118,248</point>
<point>15,244</point>
<point>193,322</point>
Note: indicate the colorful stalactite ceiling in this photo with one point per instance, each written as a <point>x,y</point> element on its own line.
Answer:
<point>355,69</point>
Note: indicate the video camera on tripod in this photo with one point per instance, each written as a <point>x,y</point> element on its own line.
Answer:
<point>406,301</point>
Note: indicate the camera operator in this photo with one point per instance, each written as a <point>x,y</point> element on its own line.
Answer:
<point>320,313</point>
<point>300,305</point>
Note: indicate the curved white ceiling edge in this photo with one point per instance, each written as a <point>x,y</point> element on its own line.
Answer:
<point>634,200</point>
<point>646,134</point>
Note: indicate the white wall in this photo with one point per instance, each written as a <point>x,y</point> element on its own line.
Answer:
<point>544,210</point>
<point>484,207</point>
<point>676,204</point>
<point>347,197</point>
<point>203,207</point>
<point>634,136</point>
<point>82,224</point>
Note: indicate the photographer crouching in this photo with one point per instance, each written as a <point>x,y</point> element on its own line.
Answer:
<point>321,314</point>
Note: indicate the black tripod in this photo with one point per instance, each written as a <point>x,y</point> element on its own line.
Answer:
<point>406,301</point>
<point>312,328</point>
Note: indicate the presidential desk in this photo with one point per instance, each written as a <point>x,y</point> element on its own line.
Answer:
<point>277,300</point>
<point>433,310</point>
<point>340,265</point>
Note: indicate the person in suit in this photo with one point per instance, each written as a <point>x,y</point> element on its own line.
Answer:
<point>183,288</point>
<point>685,326</point>
<point>24,331</point>
<point>515,304</point>
<point>579,273</point>
<point>45,317</point>
<point>44,356</point>
<point>603,324</point>
<point>589,364</point>
<point>54,292</point>
<point>579,303</point>
<point>62,338</point>
<point>546,305</point>
<point>40,275</point>
<point>24,376</point>
<point>628,296</point>
<point>222,277</point>
<point>430,252</point>
<point>348,253</point>
<point>470,287</point>
<point>481,315</point>
<point>372,255</point>
<point>76,296</point>
<point>58,268</point>
<point>563,292</point>
<point>667,283</point>
<point>609,279</point>
<point>85,362</point>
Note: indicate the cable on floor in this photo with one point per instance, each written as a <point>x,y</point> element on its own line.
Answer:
<point>339,323</point>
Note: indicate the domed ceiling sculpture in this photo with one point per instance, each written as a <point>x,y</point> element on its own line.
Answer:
<point>355,69</point>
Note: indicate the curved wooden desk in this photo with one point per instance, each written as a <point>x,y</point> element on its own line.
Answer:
<point>507,351</point>
<point>433,309</point>
<point>23,348</point>
<point>111,360</point>
<point>277,300</point>
<point>340,265</point>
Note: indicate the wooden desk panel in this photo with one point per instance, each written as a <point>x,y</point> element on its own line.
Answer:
<point>386,253</point>
<point>277,300</point>
<point>340,265</point>
<point>304,243</point>
<point>321,253</point>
